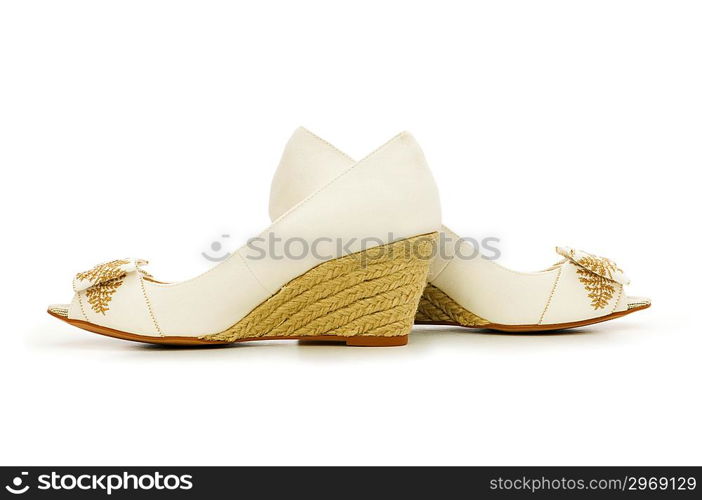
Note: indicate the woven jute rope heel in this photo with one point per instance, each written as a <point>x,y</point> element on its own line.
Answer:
<point>435,307</point>
<point>367,298</point>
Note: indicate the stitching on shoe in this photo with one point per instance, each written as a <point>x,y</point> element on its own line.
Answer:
<point>550,297</point>
<point>448,261</point>
<point>148,306</point>
<point>258,280</point>
<point>80,303</point>
<point>619,297</point>
<point>329,144</point>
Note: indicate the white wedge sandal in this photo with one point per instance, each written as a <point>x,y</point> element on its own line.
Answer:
<point>467,290</point>
<point>370,230</point>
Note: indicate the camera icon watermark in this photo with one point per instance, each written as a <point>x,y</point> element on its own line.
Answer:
<point>17,488</point>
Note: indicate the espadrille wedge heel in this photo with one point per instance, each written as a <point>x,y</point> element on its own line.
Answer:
<point>364,299</point>
<point>467,290</point>
<point>370,232</point>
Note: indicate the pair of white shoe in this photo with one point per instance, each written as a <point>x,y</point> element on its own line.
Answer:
<point>356,253</point>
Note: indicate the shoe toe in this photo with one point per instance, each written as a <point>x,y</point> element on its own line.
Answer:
<point>60,310</point>
<point>637,302</point>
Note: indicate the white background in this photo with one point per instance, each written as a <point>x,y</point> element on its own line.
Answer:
<point>149,129</point>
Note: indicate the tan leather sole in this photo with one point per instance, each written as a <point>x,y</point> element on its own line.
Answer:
<point>356,341</point>
<point>537,328</point>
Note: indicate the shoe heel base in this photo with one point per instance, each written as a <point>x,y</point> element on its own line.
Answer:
<point>368,341</point>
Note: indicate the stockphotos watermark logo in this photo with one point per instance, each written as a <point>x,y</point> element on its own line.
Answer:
<point>272,246</point>
<point>100,483</point>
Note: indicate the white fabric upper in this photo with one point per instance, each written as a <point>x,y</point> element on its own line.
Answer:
<point>388,195</point>
<point>497,294</point>
<point>308,164</point>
